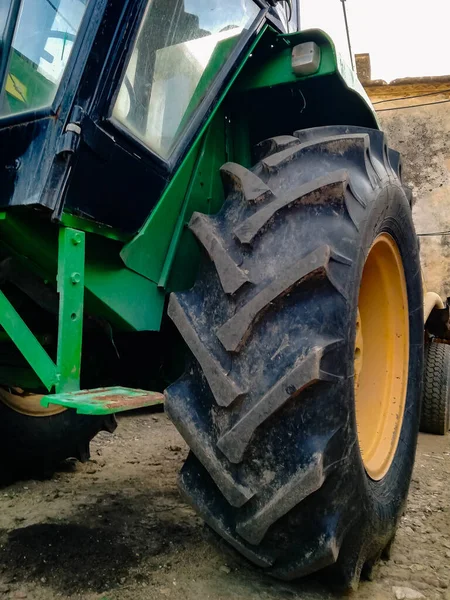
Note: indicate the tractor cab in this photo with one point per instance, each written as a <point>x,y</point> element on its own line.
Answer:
<point>124,86</point>
<point>100,100</point>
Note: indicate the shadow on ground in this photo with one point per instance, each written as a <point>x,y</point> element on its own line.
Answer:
<point>102,545</point>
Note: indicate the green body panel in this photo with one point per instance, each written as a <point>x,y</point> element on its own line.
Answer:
<point>76,222</point>
<point>278,70</point>
<point>146,253</point>
<point>127,300</point>
<point>217,60</point>
<point>104,401</point>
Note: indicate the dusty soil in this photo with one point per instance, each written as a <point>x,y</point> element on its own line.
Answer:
<point>116,528</point>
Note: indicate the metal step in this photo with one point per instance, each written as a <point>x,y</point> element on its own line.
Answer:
<point>104,401</point>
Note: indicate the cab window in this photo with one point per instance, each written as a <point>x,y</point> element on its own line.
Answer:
<point>180,48</point>
<point>42,43</point>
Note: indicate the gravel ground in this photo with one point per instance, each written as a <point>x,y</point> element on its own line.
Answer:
<point>116,528</point>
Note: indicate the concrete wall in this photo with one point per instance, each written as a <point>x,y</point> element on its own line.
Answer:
<point>422,135</point>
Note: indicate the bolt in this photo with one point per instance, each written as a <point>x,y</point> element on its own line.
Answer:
<point>75,278</point>
<point>76,239</point>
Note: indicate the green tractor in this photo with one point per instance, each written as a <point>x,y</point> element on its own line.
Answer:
<point>201,187</point>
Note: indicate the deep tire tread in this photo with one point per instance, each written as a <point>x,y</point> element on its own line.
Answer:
<point>436,392</point>
<point>226,422</point>
<point>234,332</point>
<point>231,276</point>
<point>225,390</point>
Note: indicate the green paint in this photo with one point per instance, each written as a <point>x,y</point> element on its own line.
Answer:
<point>216,62</point>
<point>71,301</point>
<point>104,401</point>
<point>127,300</point>
<point>19,377</point>
<point>27,343</point>
<point>204,194</point>
<point>277,67</point>
<point>146,253</point>
<point>69,220</point>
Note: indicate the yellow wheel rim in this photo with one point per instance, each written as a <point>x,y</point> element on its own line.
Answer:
<point>28,404</point>
<point>381,356</point>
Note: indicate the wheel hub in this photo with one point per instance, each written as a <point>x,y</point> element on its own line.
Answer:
<point>381,356</point>
<point>27,404</point>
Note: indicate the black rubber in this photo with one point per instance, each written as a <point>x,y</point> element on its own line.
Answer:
<point>36,445</point>
<point>436,390</point>
<point>267,406</point>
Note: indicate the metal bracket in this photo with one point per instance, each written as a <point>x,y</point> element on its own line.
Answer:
<point>71,255</point>
<point>64,376</point>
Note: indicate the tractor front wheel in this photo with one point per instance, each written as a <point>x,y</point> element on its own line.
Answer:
<point>302,402</point>
<point>34,440</point>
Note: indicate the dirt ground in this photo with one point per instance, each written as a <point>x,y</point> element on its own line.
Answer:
<point>116,528</point>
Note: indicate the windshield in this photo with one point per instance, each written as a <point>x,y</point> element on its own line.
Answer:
<point>42,43</point>
<point>179,51</point>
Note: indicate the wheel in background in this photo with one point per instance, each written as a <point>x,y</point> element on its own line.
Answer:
<point>436,391</point>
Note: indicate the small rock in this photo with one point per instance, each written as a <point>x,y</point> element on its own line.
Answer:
<point>174,448</point>
<point>432,581</point>
<point>405,593</point>
<point>43,579</point>
<point>165,591</point>
<point>443,584</point>
<point>155,419</point>
<point>416,568</point>
<point>20,595</point>
<point>409,530</point>
<point>225,569</point>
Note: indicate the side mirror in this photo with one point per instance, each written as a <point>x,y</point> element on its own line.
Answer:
<point>9,11</point>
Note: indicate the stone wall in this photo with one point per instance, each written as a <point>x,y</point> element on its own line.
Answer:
<point>422,135</point>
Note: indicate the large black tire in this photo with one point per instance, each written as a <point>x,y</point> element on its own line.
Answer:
<point>267,406</point>
<point>37,445</point>
<point>436,390</point>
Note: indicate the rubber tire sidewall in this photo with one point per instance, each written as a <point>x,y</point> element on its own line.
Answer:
<point>391,214</point>
<point>38,444</point>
